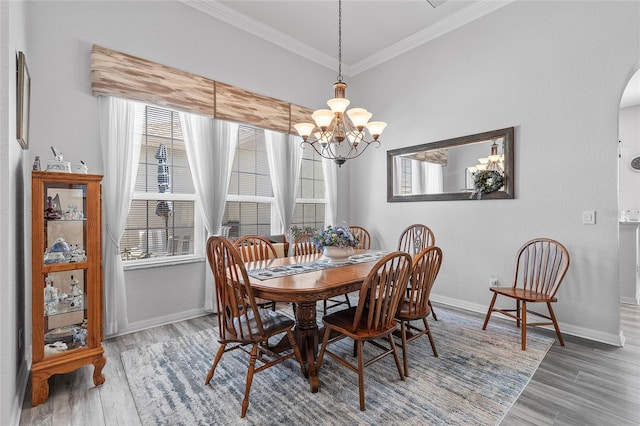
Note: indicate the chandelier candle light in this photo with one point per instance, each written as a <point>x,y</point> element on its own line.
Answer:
<point>494,161</point>
<point>341,134</point>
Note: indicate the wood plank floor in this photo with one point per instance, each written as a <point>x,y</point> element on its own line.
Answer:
<point>583,383</point>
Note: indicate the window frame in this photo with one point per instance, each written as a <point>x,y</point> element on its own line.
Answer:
<point>272,200</point>
<point>199,234</point>
<point>302,200</point>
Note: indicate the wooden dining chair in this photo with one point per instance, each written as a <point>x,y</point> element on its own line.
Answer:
<point>415,306</point>
<point>541,265</point>
<point>413,240</point>
<point>364,237</point>
<point>304,244</point>
<point>373,318</point>
<point>252,248</point>
<point>240,321</point>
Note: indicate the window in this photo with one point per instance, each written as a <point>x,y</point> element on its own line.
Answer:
<point>250,203</point>
<point>405,182</point>
<point>250,196</point>
<point>162,219</point>
<point>311,199</point>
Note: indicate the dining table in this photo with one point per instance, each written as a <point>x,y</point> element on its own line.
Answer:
<point>305,280</point>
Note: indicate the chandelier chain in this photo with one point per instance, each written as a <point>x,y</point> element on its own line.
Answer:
<point>339,40</point>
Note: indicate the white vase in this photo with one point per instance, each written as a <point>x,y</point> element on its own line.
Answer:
<point>337,254</point>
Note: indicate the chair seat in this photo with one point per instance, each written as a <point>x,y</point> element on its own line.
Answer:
<point>404,312</point>
<point>522,294</point>
<point>272,323</point>
<point>342,321</point>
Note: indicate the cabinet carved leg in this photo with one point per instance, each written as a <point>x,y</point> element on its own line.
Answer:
<point>39,388</point>
<point>98,365</point>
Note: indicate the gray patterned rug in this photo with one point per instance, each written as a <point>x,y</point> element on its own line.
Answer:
<point>474,381</point>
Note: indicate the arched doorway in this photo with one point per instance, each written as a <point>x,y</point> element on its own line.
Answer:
<point>629,191</point>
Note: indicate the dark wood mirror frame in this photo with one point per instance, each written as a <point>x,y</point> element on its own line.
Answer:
<point>509,172</point>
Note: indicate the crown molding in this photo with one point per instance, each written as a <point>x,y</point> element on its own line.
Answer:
<point>455,21</point>
<point>259,29</point>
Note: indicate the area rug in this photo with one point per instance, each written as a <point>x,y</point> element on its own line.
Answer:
<point>474,381</point>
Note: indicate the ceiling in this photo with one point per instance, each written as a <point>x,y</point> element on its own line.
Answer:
<point>373,32</point>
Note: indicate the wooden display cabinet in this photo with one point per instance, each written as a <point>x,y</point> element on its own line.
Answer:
<point>67,296</point>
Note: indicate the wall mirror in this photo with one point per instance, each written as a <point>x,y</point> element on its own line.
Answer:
<point>444,170</point>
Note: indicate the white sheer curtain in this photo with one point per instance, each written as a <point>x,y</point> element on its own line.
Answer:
<point>419,177</point>
<point>285,157</point>
<point>397,175</point>
<point>434,178</point>
<point>120,137</point>
<point>210,147</point>
<point>426,178</point>
<point>330,170</point>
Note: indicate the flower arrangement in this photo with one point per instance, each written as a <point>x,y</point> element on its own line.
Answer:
<point>339,236</point>
<point>295,231</point>
<point>486,181</point>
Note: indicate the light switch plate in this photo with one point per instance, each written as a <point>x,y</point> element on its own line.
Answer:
<point>589,217</point>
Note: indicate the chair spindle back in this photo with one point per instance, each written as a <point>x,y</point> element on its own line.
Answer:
<point>304,245</point>
<point>424,271</point>
<point>381,292</point>
<point>236,304</point>
<point>540,266</point>
<point>255,247</point>
<point>415,238</point>
<point>364,235</point>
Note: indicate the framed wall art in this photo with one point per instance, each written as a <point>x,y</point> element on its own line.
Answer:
<point>23,93</point>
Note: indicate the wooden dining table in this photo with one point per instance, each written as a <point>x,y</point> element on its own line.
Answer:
<point>305,290</point>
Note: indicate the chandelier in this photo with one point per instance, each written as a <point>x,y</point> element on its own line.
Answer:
<point>494,161</point>
<point>339,134</point>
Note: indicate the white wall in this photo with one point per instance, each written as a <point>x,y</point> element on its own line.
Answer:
<point>555,71</point>
<point>15,270</point>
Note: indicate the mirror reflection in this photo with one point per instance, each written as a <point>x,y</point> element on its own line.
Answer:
<point>446,170</point>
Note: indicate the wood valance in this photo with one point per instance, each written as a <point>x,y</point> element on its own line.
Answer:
<point>435,156</point>
<point>115,73</point>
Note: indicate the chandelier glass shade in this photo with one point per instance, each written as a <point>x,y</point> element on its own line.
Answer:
<point>338,133</point>
<point>494,161</point>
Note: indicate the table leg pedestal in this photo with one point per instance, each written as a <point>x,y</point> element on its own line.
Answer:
<point>306,332</point>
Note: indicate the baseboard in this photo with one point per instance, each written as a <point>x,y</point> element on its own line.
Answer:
<point>630,300</point>
<point>158,321</point>
<point>21,388</point>
<point>460,304</point>
<point>585,333</point>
